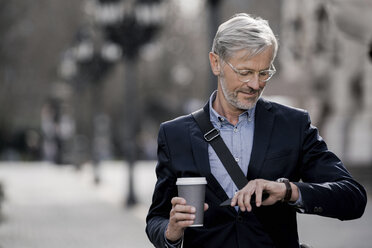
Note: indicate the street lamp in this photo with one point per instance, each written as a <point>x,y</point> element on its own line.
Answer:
<point>85,65</point>
<point>130,24</point>
<point>214,19</point>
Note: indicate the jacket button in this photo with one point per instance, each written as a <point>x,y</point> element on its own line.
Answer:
<point>239,218</point>
<point>318,209</point>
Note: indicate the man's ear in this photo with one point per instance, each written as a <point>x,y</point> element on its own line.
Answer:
<point>215,63</point>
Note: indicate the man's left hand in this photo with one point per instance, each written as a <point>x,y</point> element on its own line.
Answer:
<point>275,190</point>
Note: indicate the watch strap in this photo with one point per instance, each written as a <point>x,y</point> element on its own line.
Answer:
<point>288,189</point>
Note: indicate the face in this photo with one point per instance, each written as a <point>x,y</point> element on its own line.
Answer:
<point>237,94</point>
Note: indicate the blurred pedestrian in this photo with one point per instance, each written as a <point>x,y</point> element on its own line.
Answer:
<point>49,131</point>
<point>277,149</point>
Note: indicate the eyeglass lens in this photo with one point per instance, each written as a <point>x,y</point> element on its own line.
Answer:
<point>248,75</point>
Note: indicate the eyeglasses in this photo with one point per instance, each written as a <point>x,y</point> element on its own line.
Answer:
<point>247,75</point>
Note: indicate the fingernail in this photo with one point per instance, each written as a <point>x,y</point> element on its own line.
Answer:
<point>193,209</point>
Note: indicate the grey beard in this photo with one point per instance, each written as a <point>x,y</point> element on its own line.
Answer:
<point>232,98</point>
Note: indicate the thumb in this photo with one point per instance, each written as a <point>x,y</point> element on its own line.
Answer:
<point>206,206</point>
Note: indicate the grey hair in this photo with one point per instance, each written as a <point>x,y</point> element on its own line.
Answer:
<point>243,31</point>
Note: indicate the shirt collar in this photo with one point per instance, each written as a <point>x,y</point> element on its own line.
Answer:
<point>219,119</point>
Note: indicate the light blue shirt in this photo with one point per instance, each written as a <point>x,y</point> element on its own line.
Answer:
<point>239,140</point>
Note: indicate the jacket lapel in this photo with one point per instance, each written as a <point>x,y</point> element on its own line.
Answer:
<point>264,120</point>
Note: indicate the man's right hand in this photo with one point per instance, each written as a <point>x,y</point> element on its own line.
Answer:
<point>181,216</point>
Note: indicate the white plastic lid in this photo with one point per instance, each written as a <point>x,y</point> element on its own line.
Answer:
<point>191,180</point>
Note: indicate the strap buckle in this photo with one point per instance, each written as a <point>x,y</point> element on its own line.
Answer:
<point>212,134</point>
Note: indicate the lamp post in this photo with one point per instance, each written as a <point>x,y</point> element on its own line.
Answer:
<point>130,24</point>
<point>214,19</point>
<point>85,65</point>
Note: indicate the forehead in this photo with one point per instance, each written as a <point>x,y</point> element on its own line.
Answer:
<point>259,61</point>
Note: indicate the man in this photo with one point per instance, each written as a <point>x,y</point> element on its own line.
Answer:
<point>269,142</point>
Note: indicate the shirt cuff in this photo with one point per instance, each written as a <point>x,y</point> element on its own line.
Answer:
<point>299,204</point>
<point>169,244</point>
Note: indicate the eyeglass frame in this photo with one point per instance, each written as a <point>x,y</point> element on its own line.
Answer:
<point>239,72</point>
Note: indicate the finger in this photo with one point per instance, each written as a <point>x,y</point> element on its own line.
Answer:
<point>184,209</point>
<point>206,206</point>
<point>241,204</point>
<point>183,217</point>
<point>185,223</point>
<point>247,201</point>
<point>258,193</point>
<point>234,200</point>
<point>178,200</point>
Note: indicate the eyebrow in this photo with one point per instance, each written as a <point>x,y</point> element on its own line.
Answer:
<point>267,69</point>
<point>249,69</point>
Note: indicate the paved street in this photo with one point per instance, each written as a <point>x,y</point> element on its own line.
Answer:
<point>50,207</point>
<point>59,207</point>
<point>323,232</point>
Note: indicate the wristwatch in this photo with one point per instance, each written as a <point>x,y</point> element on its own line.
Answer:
<point>288,189</point>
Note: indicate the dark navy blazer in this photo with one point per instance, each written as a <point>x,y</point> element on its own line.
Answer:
<point>285,145</point>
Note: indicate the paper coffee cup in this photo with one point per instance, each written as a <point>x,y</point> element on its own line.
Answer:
<point>192,189</point>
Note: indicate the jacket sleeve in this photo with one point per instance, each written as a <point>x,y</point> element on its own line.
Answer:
<point>165,189</point>
<point>327,188</point>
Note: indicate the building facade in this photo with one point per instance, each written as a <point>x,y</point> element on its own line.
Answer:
<point>326,47</point>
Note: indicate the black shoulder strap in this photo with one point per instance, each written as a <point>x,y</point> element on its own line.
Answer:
<point>212,136</point>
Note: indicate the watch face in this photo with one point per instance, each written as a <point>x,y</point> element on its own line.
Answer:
<point>281,180</point>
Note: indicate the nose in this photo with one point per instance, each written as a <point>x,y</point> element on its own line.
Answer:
<point>254,83</point>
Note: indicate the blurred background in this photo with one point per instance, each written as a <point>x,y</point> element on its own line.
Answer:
<point>85,84</point>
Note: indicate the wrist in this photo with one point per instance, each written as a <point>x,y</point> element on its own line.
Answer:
<point>174,242</point>
<point>288,189</point>
<point>171,238</point>
<point>170,244</point>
